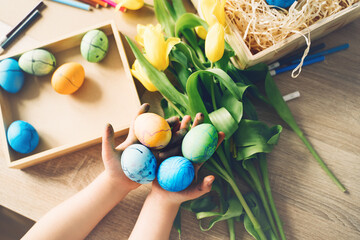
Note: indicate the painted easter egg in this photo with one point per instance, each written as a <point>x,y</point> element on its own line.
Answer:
<point>38,62</point>
<point>11,76</point>
<point>199,144</point>
<point>175,174</point>
<point>68,78</point>
<point>22,137</point>
<point>94,46</point>
<point>152,130</point>
<point>138,163</point>
<point>280,3</point>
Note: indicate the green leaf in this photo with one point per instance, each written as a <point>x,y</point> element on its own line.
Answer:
<point>190,55</point>
<point>235,209</point>
<point>203,204</point>
<point>179,7</point>
<point>188,21</point>
<point>169,111</point>
<point>164,13</point>
<point>224,122</point>
<point>177,223</point>
<point>277,101</point>
<point>258,211</point>
<point>255,137</point>
<point>159,79</point>
<point>249,109</point>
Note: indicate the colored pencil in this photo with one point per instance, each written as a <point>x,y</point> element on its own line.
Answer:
<point>37,7</point>
<point>324,53</point>
<point>297,55</point>
<point>113,4</point>
<point>21,28</point>
<point>292,67</point>
<point>101,3</point>
<point>73,3</point>
<point>91,3</point>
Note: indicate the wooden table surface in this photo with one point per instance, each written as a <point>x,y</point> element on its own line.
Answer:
<point>309,204</point>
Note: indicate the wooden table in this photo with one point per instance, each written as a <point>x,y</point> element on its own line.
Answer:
<point>310,205</point>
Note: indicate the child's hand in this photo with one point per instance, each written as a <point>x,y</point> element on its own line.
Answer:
<point>111,155</point>
<point>195,190</point>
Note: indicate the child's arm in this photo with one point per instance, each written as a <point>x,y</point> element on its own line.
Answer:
<point>160,208</point>
<point>77,216</point>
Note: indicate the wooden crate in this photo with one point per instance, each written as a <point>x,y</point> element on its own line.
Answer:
<point>67,123</point>
<point>244,58</point>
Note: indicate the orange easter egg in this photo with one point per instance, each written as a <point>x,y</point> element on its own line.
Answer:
<point>68,78</point>
<point>152,130</point>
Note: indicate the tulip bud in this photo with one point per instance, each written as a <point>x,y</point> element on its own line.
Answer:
<point>201,32</point>
<point>138,72</point>
<point>213,11</point>
<point>129,4</point>
<point>215,43</point>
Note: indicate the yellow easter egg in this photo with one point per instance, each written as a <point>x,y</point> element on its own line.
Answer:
<point>68,78</point>
<point>152,130</point>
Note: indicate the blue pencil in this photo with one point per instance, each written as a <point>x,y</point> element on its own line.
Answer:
<point>72,3</point>
<point>292,67</point>
<point>323,53</point>
<point>21,28</point>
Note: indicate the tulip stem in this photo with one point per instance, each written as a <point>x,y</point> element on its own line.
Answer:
<point>148,5</point>
<point>173,105</point>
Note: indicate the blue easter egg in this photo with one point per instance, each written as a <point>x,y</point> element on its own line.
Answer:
<point>280,3</point>
<point>11,76</point>
<point>22,137</point>
<point>138,163</point>
<point>200,143</point>
<point>175,174</point>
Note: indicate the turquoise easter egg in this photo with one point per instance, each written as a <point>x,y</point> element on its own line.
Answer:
<point>138,163</point>
<point>22,137</point>
<point>280,3</point>
<point>11,76</point>
<point>199,144</point>
<point>94,46</point>
<point>38,62</point>
<point>175,174</point>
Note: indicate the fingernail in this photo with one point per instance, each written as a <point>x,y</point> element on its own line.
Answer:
<point>110,129</point>
<point>210,180</point>
<point>146,107</point>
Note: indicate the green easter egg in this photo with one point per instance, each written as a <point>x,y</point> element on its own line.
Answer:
<point>94,46</point>
<point>38,62</point>
<point>199,144</point>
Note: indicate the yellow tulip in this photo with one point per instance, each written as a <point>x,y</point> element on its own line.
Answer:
<point>156,48</point>
<point>215,43</point>
<point>213,11</point>
<point>201,32</point>
<point>138,72</point>
<point>129,4</point>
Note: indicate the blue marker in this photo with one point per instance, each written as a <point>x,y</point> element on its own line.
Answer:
<point>76,4</point>
<point>323,53</point>
<point>292,67</point>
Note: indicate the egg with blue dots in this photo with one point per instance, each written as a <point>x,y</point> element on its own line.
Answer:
<point>280,3</point>
<point>199,144</point>
<point>152,130</point>
<point>11,76</point>
<point>175,174</point>
<point>139,163</point>
<point>22,137</point>
<point>94,46</point>
<point>68,78</point>
<point>38,62</point>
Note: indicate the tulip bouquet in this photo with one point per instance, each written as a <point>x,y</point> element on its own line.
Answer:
<point>191,67</point>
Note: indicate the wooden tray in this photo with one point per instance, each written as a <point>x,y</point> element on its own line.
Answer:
<point>66,123</point>
<point>244,58</point>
